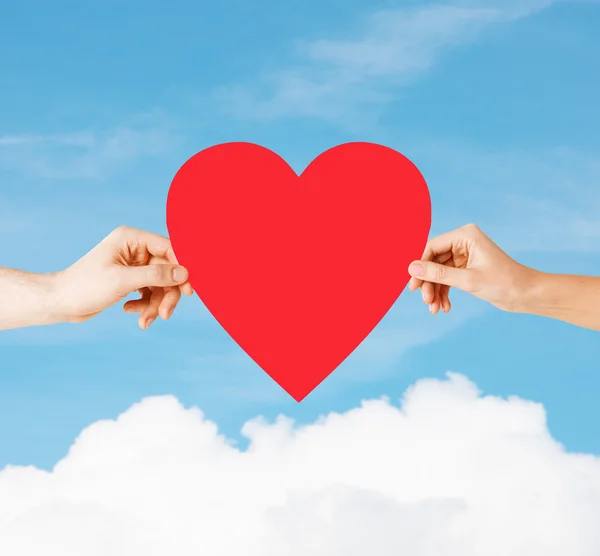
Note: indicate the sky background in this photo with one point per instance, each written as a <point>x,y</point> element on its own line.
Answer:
<point>101,103</point>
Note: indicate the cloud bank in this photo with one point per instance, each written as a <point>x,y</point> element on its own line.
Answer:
<point>448,472</point>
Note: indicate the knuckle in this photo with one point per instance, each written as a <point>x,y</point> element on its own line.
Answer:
<point>439,273</point>
<point>471,228</point>
<point>120,232</point>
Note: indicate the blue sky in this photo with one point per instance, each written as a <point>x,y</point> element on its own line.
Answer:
<point>101,103</point>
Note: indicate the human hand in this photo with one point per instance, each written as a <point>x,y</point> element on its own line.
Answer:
<point>468,260</point>
<point>126,261</point>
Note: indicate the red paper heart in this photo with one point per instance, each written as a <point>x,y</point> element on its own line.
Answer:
<point>298,269</point>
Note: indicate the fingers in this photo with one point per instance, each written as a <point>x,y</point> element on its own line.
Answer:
<point>437,273</point>
<point>441,248</point>
<point>169,302</point>
<point>446,243</point>
<point>145,305</point>
<point>163,285</point>
<point>444,258</point>
<point>138,305</point>
<point>428,292</point>
<point>435,295</point>
<point>134,278</point>
<point>186,289</point>
<point>445,298</point>
<point>158,250</point>
<point>150,313</point>
<point>445,291</point>
<point>156,245</point>
<point>435,306</point>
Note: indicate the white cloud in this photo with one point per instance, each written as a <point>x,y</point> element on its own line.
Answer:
<point>448,473</point>
<point>333,77</point>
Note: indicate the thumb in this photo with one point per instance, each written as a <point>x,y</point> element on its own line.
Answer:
<point>159,275</point>
<point>436,273</point>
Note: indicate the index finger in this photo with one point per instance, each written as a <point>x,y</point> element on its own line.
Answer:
<point>157,245</point>
<point>436,247</point>
<point>441,244</point>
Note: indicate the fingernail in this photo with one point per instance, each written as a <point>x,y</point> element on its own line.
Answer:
<point>179,274</point>
<point>416,270</point>
<point>149,322</point>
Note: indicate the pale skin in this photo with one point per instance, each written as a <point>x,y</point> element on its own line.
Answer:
<point>470,261</point>
<point>126,261</point>
<point>130,260</point>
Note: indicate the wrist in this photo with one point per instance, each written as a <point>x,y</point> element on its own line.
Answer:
<point>532,292</point>
<point>29,299</point>
<point>49,286</point>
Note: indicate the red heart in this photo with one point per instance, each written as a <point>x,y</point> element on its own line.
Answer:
<point>298,269</point>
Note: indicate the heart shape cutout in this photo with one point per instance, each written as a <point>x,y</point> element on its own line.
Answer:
<point>298,269</point>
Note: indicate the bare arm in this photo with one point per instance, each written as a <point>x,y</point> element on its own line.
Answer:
<point>126,261</point>
<point>570,298</point>
<point>469,260</point>
<point>27,299</point>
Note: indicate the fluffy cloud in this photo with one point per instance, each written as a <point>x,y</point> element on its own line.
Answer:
<point>449,472</point>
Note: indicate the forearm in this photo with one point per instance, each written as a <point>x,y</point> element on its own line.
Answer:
<point>27,299</point>
<point>570,298</point>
